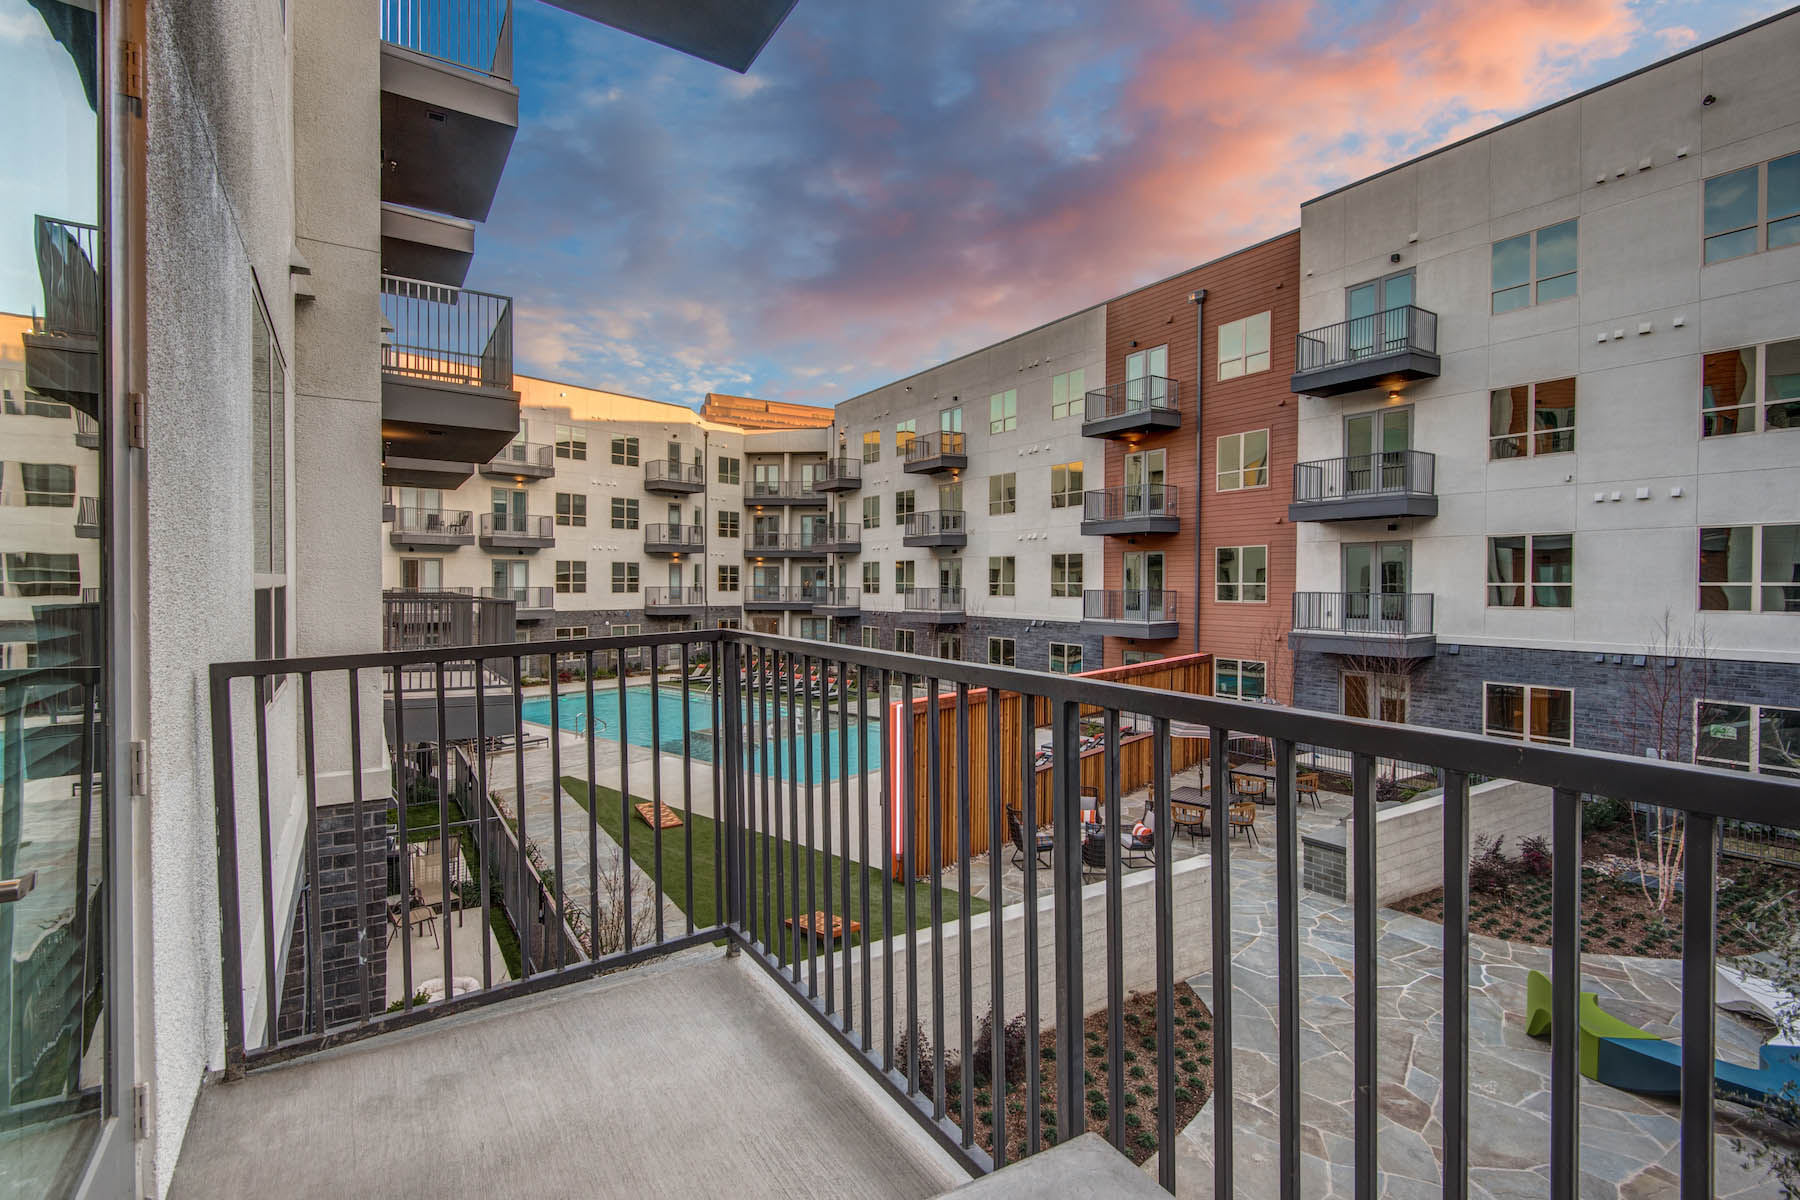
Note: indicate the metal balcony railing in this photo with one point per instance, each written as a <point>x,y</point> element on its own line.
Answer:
<point>675,537</point>
<point>476,35</point>
<point>68,257</point>
<point>1364,614</point>
<point>518,524</point>
<point>936,445</point>
<point>936,523</point>
<point>530,455</point>
<point>674,597</point>
<point>1389,473</point>
<point>839,597</point>
<point>446,335</point>
<point>785,593</point>
<point>1127,501</point>
<point>1149,605</point>
<point>1407,327</point>
<point>445,522</point>
<point>1147,393</point>
<point>673,470</point>
<point>87,432</point>
<point>780,489</point>
<point>934,600</point>
<point>840,472</point>
<point>523,598</point>
<point>815,539</point>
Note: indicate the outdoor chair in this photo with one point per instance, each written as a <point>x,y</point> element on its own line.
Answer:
<point>1043,847</point>
<point>1137,850</point>
<point>1254,788</point>
<point>1306,787</point>
<point>1189,819</point>
<point>1243,817</point>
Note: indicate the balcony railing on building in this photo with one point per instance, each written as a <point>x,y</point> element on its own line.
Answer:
<point>432,527</point>
<point>1147,404</point>
<point>87,432</point>
<point>522,460</point>
<point>839,475</point>
<point>1392,483</point>
<point>1364,624</point>
<point>945,527</point>
<point>1151,613</point>
<point>674,601</point>
<point>87,516</point>
<point>783,491</point>
<point>1131,509</point>
<point>837,602</point>
<point>532,603</point>
<point>837,539</point>
<point>1381,349</point>
<point>810,542</point>
<point>939,605</point>
<point>446,377</point>
<point>672,477</point>
<point>779,597</point>
<point>930,453</point>
<point>674,539</point>
<point>62,347</point>
<point>516,531</point>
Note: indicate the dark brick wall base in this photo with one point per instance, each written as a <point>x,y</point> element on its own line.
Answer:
<point>346,944</point>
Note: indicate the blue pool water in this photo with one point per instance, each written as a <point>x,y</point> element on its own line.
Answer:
<point>831,752</point>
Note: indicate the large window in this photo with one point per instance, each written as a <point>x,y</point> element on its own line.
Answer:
<point>1750,568</point>
<point>571,443</point>
<point>571,509</point>
<point>1065,485</point>
<point>1531,419</point>
<point>904,575</point>
<point>730,470</point>
<point>1068,394</point>
<point>568,632</point>
<point>1003,652</point>
<point>1534,268</point>
<point>728,578</point>
<point>1243,460</point>
<point>1757,387</point>
<point>1375,695</point>
<point>1241,574</point>
<point>1244,346</point>
<point>47,485</point>
<point>422,574</point>
<point>1528,713</point>
<point>871,579</point>
<point>1751,209</point>
<point>29,574</point>
<point>871,512</point>
<point>1065,658</point>
<point>1748,737</point>
<point>950,420</point>
<point>1003,411</point>
<point>624,512</point>
<point>870,637</point>
<point>905,504</point>
<point>571,576</point>
<point>1240,678</point>
<point>1003,494</point>
<point>1531,570</point>
<point>730,523</point>
<point>1065,576</point>
<point>904,433</point>
<point>871,444</point>
<point>625,577</point>
<point>1001,575</point>
<point>949,646</point>
<point>624,451</point>
<point>905,640</point>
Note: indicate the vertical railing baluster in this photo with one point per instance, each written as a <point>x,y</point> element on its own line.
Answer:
<point>1028,826</point>
<point>934,839</point>
<point>1699,912</point>
<point>661,892</point>
<point>965,965</point>
<point>272,998</point>
<point>629,939</point>
<point>996,945</point>
<point>888,811</point>
<point>593,802</point>
<point>444,833</point>
<point>687,795</point>
<point>732,768</point>
<point>1456,986</point>
<point>1287,970</point>
<point>797,846</point>
<point>483,874</point>
<point>1363,928</point>
<point>363,972</point>
<point>1565,986</point>
<point>1112,829</point>
<point>315,927</point>
<point>230,911</point>
<point>909,838</point>
<point>771,827</point>
<point>862,858</point>
<point>772,751</point>
<point>821,799</point>
<point>523,924</point>
<point>842,772</point>
<point>1218,767</point>
<point>1065,800</point>
<point>1162,832</point>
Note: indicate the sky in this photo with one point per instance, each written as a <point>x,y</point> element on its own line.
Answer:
<point>893,184</point>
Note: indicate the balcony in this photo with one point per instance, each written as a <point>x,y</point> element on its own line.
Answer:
<point>388,507</point>
<point>935,452</point>
<point>839,475</point>
<point>937,605</point>
<point>62,347</point>
<point>446,374</point>
<point>674,539</point>
<point>529,603</point>
<point>516,531</point>
<point>1393,625</point>
<point>1132,407</point>
<point>838,539</point>
<point>672,477</point>
<point>449,109</point>
<point>809,543</point>
<point>521,461</point>
<point>426,245</point>
<point>1382,350</point>
<point>842,603</point>
<point>87,516</point>
<point>1393,483</point>
<point>87,432</point>
<point>1122,511</point>
<point>943,528</point>
<point>675,602</point>
<point>432,529</point>
<point>1132,612</point>
<point>777,597</point>
<point>763,492</point>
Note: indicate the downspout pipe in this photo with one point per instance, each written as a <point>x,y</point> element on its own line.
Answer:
<point>1197,298</point>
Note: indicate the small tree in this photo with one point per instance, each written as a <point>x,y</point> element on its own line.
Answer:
<point>1777,924</point>
<point>1272,648</point>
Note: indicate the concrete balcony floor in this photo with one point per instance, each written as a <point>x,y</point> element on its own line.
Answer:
<point>694,1076</point>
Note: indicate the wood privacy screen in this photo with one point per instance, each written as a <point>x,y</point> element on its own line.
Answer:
<point>1190,674</point>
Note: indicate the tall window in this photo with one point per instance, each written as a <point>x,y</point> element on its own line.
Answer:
<point>1068,394</point>
<point>1244,346</point>
<point>1241,574</point>
<point>1532,419</point>
<point>1243,460</point>
<point>571,509</point>
<point>1750,568</point>
<point>625,577</point>
<point>730,470</point>
<point>1755,208</point>
<point>1543,260</point>
<point>624,512</point>
<point>1003,494</point>
<point>1376,696</point>
<point>1000,575</point>
<point>870,637</point>
<point>904,433</point>
<point>950,420</point>
<point>1535,570</point>
<point>1065,485</point>
<point>1757,387</point>
<point>904,506</point>
<point>421,574</point>
<point>1528,713</point>
<point>1240,678</point>
<point>571,443</point>
<point>571,576</point>
<point>871,512</point>
<point>949,646</point>
<point>871,444</point>
<point>1748,737</point>
<point>871,579</point>
<point>904,574</point>
<point>728,578</point>
<point>268,482</point>
<point>1065,658</point>
<point>624,451</point>
<point>1003,652</point>
<point>47,485</point>
<point>729,523</point>
<point>905,640</point>
<point>1065,576</point>
<point>1003,411</point>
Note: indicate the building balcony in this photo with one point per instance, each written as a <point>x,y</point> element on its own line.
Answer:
<point>388,507</point>
<point>449,108</point>
<point>431,529</point>
<point>516,531</point>
<point>762,492</point>
<point>839,539</point>
<point>529,603</point>
<point>1381,350</point>
<point>1394,625</point>
<point>779,597</point>
<point>935,452</point>
<point>839,475</point>
<point>1132,407</point>
<point>87,432</point>
<point>672,477</point>
<point>675,602</point>
<point>400,470</point>
<point>943,528</point>
<point>87,516</point>
<point>810,543</point>
<point>1152,614</point>
<point>446,374</point>
<point>1364,487</point>
<point>937,605</point>
<point>841,602</point>
<point>674,539</point>
<point>1122,511</point>
<point>426,245</point>
<point>521,461</point>
<point>62,347</point>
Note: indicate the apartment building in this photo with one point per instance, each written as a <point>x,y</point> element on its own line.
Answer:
<point>1550,478</point>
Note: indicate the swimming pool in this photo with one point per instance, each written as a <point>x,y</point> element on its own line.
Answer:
<point>832,753</point>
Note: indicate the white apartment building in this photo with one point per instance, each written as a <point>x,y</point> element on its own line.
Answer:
<point>1550,418</point>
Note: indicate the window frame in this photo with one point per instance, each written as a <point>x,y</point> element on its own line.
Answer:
<point>1074,474</point>
<point>1758,405</point>
<point>1007,503</point>
<point>871,512</point>
<point>906,641</point>
<point>1244,333</point>
<point>1239,472</point>
<point>626,579</point>
<point>1762,221</point>
<point>571,577</point>
<point>871,446</point>
<point>906,575</point>
<point>624,513</point>
<point>566,505</point>
<point>1527,693</point>
<point>730,523</point>
<point>1533,435</point>
<point>1239,586</point>
<point>1529,586</point>
<point>728,578</point>
<point>906,503</point>
<point>571,443</point>
<point>1003,575</point>
<point>905,433</point>
<point>624,450</point>
<point>1073,385</point>
<point>871,578</point>
<point>1534,282</point>
<point>1757,586</point>
<point>730,470</point>
<point>1062,587</point>
<point>1059,661</point>
<point>1002,651</point>
<point>1753,762</point>
<point>1003,411</point>
<point>1238,666</point>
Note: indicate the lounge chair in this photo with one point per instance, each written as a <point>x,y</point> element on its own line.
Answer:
<point>1043,847</point>
<point>1138,850</point>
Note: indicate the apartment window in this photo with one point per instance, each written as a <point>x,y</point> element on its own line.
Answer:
<point>268,482</point>
<point>950,420</point>
<point>730,470</point>
<point>871,444</point>
<point>949,645</point>
<point>571,577</point>
<point>1068,394</point>
<point>1755,208</point>
<point>31,574</point>
<point>1240,678</point>
<point>1244,346</point>
<point>1543,260</point>
<point>567,632</point>
<point>1065,485</point>
<point>905,640</point>
<point>1243,460</point>
<point>571,443</point>
<point>1000,575</point>
<point>34,405</point>
<point>1376,695</point>
<point>871,579</point>
<point>1535,570</point>
<point>1527,713</point>
<point>729,523</point>
<point>728,579</point>
<point>624,451</point>
<point>571,509</point>
<point>1065,576</point>
<point>422,574</point>
<point>870,637</point>
<point>624,577</point>
<point>1748,737</point>
<point>905,504</point>
<point>1133,657</point>
<point>871,512</point>
<point>1532,419</point>
<point>815,629</point>
<point>47,485</point>
<point>1003,494</point>
<point>1065,658</point>
<point>1003,411</point>
<point>1002,652</point>
<point>1738,386</point>
<point>1750,568</point>
<point>624,513</point>
<point>904,575</point>
<point>904,433</point>
<point>727,623</point>
<point>1241,574</point>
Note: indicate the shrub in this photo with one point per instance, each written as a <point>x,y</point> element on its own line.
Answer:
<point>1388,792</point>
<point>1601,813</point>
<point>1489,871</point>
<point>418,999</point>
<point>1534,856</point>
<point>1014,1044</point>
